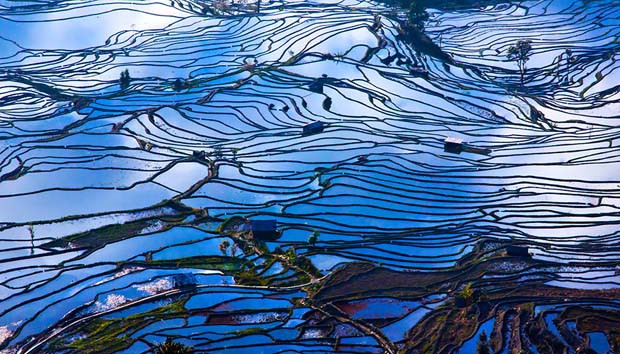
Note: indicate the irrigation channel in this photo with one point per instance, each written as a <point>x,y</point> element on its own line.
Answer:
<point>125,204</point>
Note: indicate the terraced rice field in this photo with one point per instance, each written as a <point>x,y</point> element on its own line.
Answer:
<point>125,204</point>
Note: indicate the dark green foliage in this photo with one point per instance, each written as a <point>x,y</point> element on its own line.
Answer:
<point>224,247</point>
<point>312,239</point>
<point>416,10</point>
<point>178,85</point>
<point>99,237</point>
<point>170,347</point>
<point>291,255</point>
<point>417,13</point>
<point>110,335</point>
<point>483,344</point>
<point>250,277</point>
<point>327,103</point>
<point>125,79</point>
<point>466,297</point>
<point>306,265</point>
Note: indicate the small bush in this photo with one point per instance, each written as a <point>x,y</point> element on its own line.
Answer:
<point>312,239</point>
<point>483,344</point>
<point>224,247</point>
<point>170,347</point>
<point>125,79</point>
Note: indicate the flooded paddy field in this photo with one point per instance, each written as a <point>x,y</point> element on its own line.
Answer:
<point>142,143</point>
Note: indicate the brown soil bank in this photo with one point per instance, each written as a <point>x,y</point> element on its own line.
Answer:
<point>487,285</point>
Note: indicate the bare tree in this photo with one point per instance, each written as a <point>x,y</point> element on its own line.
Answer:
<point>520,52</point>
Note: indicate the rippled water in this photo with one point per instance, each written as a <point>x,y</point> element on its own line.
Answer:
<point>78,151</point>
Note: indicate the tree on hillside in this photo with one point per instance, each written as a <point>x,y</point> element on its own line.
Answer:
<point>417,13</point>
<point>314,237</point>
<point>170,347</point>
<point>520,52</point>
<point>224,247</point>
<point>483,344</point>
<point>125,79</point>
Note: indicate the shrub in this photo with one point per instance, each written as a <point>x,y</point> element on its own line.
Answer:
<point>224,247</point>
<point>312,239</point>
<point>125,79</point>
<point>170,347</point>
<point>483,344</point>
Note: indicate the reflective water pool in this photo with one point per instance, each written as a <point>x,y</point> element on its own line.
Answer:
<point>115,196</point>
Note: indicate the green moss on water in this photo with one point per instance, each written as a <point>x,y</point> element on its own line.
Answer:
<point>225,264</point>
<point>262,247</point>
<point>250,277</point>
<point>101,236</point>
<point>249,331</point>
<point>103,335</point>
<point>112,335</point>
<point>528,307</point>
<point>112,233</point>
<point>291,255</point>
<point>223,228</point>
<point>306,265</point>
